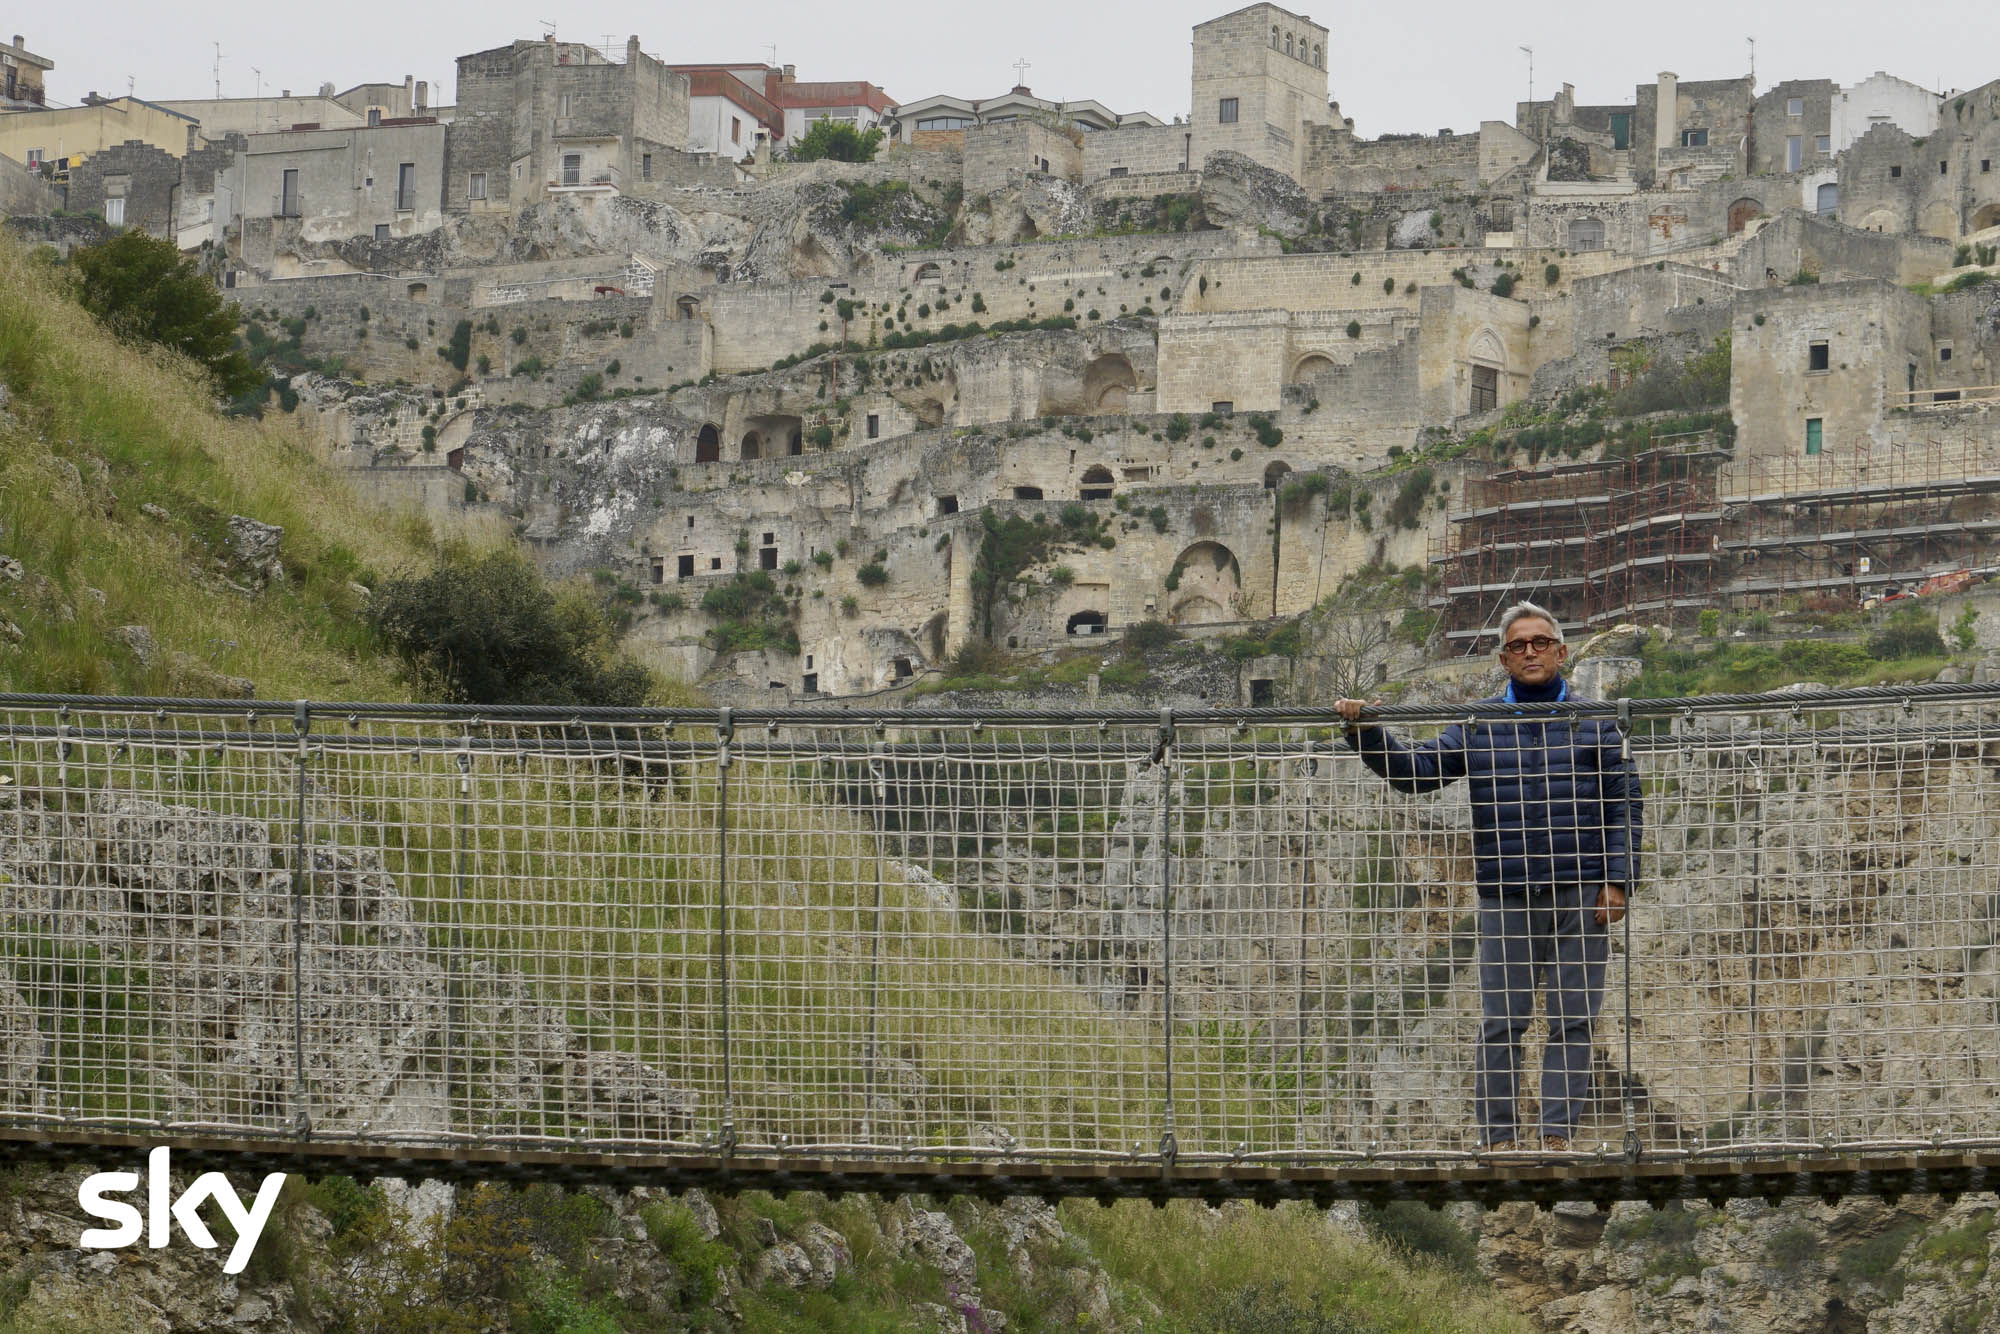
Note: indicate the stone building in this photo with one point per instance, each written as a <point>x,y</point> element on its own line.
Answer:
<point>1944,185</point>
<point>1791,127</point>
<point>1883,99</point>
<point>380,182</point>
<point>363,104</point>
<point>1690,132</point>
<point>1259,85</point>
<point>132,185</point>
<point>21,75</point>
<point>940,120</point>
<point>782,106</point>
<point>535,120</point>
<point>63,136</point>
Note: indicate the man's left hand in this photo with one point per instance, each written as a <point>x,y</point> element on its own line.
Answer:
<point>1610,904</point>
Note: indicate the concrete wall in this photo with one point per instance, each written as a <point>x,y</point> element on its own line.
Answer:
<point>1277,95</point>
<point>75,132</point>
<point>25,192</point>
<point>264,115</point>
<point>1883,99</point>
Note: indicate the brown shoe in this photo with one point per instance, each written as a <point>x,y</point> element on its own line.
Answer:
<point>1555,1144</point>
<point>1500,1146</point>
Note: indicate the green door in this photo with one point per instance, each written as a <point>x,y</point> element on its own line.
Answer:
<point>1621,129</point>
<point>1812,435</point>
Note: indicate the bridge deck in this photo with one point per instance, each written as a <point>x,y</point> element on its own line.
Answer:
<point>1097,954</point>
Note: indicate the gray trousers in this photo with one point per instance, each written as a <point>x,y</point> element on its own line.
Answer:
<point>1551,938</point>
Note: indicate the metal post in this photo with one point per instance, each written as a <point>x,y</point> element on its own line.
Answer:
<point>454,984</point>
<point>1630,776</point>
<point>1162,752</point>
<point>725,732</point>
<point>303,869</point>
<point>878,769</point>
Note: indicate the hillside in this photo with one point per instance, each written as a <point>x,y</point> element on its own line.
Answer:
<point>119,483</point>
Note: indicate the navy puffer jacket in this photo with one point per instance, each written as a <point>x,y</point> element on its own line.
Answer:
<point>1550,795</point>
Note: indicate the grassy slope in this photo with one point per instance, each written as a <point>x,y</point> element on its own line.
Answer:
<point>101,429</point>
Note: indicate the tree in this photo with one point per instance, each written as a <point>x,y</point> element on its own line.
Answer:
<point>141,288</point>
<point>488,630</point>
<point>837,141</point>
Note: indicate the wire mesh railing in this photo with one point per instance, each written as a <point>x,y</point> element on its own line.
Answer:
<point>1049,937</point>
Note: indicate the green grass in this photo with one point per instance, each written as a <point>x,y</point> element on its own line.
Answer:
<point>101,429</point>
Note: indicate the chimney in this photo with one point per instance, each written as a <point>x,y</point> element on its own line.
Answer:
<point>326,90</point>
<point>406,84</point>
<point>20,41</point>
<point>1667,113</point>
<point>791,74</point>
<point>423,95</point>
<point>632,49</point>
<point>285,92</point>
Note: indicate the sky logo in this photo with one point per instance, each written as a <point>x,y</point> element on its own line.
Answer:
<point>162,1213</point>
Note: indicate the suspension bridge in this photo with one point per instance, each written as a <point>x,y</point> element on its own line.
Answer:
<point>1099,954</point>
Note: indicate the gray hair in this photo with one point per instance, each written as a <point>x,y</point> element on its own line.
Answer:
<point>1523,610</point>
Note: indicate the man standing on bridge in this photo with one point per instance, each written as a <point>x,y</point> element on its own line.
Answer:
<point>1555,805</point>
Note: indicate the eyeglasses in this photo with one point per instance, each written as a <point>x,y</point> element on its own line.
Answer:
<point>1540,644</point>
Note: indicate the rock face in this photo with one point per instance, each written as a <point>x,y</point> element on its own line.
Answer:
<point>253,549</point>
<point>1237,191</point>
<point>199,907</point>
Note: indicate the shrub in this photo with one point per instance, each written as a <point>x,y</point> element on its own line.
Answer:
<point>1406,510</point>
<point>142,289</point>
<point>837,141</point>
<point>1158,517</point>
<point>821,436</point>
<point>1504,285</point>
<point>1964,630</point>
<point>520,334</point>
<point>1388,286</point>
<point>1421,1230</point>
<point>1911,632</point>
<point>1354,328</point>
<point>872,575</point>
<point>1710,622</point>
<point>1269,434</point>
<point>1356,279</point>
<point>823,559</point>
<point>459,350</point>
<point>1179,426</point>
<point>589,387</point>
<point>485,364</point>
<point>1551,274</point>
<point>487,630</point>
<point>614,367</point>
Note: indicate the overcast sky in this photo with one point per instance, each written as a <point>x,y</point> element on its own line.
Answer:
<point>1394,67</point>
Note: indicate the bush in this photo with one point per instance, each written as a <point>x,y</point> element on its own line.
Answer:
<point>142,289</point>
<point>1147,636</point>
<point>1269,434</point>
<point>485,364</point>
<point>821,436</point>
<point>520,334</point>
<point>872,575</point>
<point>1504,285</point>
<point>1388,286</point>
<point>1911,632</point>
<point>1179,426</point>
<point>1551,274</point>
<point>486,629</point>
<point>1421,1230</point>
<point>1964,630</point>
<point>459,350</point>
<point>837,141</point>
<point>1710,622</point>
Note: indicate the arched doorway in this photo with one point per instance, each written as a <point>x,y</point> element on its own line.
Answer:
<point>1087,623</point>
<point>1108,383</point>
<point>688,307</point>
<point>1826,199</point>
<point>1742,212</point>
<point>708,445</point>
<point>928,273</point>
<point>1586,234</point>
<point>753,446</point>
<point>1488,362</point>
<point>1939,219</point>
<point>1989,216</point>
<point>1882,220</point>
<point>1274,473</point>
<point>1097,482</point>
<point>1203,586</point>
<point>1312,366</point>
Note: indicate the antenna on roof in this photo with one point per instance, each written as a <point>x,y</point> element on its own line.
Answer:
<point>131,86</point>
<point>218,71</point>
<point>772,47</point>
<point>549,24</point>
<point>1753,60</point>
<point>260,80</point>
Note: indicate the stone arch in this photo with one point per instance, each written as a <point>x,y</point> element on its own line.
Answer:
<point>1312,366</point>
<point>753,445</point>
<point>1939,219</point>
<point>1097,482</point>
<point>1487,358</point>
<point>1274,473</point>
<point>1274,36</point>
<point>1586,233</point>
<point>1108,383</point>
<point>1742,212</point>
<point>708,445</point>
<point>1319,57</point>
<point>1826,199</point>
<point>1204,585</point>
<point>419,291</point>
<point>688,308</point>
<point>1989,216</point>
<point>1087,622</point>
<point>1882,220</point>
<point>928,273</point>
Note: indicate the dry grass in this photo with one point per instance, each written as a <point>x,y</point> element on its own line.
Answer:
<point>102,428</point>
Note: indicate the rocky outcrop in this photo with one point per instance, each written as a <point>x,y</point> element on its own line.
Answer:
<point>1237,191</point>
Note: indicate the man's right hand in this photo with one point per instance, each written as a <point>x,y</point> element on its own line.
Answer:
<point>1350,709</point>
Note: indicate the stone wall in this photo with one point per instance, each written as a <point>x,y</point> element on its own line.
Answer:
<point>1139,150</point>
<point>145,178</point>
<point>1335,160</point>
<point>1772,126</point>
<point>1833,251</point>
<point>999,155</point>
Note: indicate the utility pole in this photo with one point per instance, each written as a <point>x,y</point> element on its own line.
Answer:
<point>1753,61</point>
<point>260,82</point>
